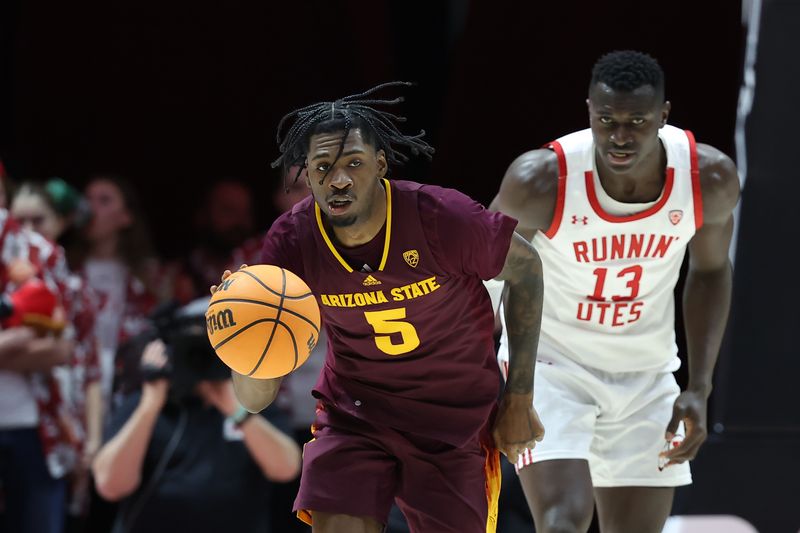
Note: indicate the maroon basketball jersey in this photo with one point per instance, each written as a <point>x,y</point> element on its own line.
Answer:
<point>410,341</point>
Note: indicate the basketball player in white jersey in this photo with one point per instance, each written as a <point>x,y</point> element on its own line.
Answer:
<point>612,210</point>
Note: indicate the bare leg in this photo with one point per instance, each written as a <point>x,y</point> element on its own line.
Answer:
<point>342,523</point>
<point>640,509</point>
<point>559,493</point>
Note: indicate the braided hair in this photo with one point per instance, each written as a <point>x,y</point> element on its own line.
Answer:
<point>378,128</point>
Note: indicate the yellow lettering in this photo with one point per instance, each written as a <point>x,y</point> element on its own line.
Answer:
<point>433,284</point>
<point>370,298</point>
<point>415,291</point>
<point>407,290</point>
<point>335,300</point>
<point>381,297</point>
<point>359,298</point>
<point>397,294</point>
<point>325,300</point>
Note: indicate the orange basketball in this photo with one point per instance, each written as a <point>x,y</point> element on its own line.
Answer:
<point>263,321</point>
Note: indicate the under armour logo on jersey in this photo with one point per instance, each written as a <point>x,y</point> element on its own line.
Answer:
<point>370,280</point>
<point>582,220</point>
<point>411,257</point>
<point>675,216</point>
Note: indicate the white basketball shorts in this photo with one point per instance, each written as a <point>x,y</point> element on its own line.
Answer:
<point>616,421</point>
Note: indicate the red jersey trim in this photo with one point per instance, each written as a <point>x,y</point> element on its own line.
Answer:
<point>697,195</point>
<point>608,217</point>
<point>558,213</point>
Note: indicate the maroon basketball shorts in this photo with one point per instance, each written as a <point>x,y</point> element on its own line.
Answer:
<point>357,468</point>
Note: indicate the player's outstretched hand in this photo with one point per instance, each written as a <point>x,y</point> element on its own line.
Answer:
<point>517,427</point>
<point>690,408</point>
<point>225,275</point>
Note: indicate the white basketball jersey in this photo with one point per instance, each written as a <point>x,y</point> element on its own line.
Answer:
<point>609,279</point>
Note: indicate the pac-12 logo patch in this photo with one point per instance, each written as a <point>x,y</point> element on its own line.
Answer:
<point>411,257</point>
<point>675,216</point>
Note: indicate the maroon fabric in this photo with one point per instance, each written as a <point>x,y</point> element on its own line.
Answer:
<point>357,468</point>
<point>442,245</point>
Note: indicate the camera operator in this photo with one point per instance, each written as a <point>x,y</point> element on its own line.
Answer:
<point>183,453</point>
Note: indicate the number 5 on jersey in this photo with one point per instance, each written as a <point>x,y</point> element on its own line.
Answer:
<point>388,322</point>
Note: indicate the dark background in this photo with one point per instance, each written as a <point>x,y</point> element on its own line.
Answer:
<point>176,95</point>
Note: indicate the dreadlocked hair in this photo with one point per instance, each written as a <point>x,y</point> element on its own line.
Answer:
<point>378,128</point>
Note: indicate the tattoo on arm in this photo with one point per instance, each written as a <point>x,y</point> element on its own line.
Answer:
<point>523,312</point>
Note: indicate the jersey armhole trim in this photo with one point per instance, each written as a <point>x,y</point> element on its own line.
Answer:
<point>697,195</point>
<point>558,212</point>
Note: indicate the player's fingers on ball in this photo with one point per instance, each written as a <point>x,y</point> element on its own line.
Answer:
<point>213,289</point>
<point>226,275</point>
<point>243,266</point>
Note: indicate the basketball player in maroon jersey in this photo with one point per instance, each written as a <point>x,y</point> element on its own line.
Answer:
<point>611,210</point>
<point>408,396</point>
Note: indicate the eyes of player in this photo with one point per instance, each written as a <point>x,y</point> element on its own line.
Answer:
<point>638,121</point>
<point>323,167</point>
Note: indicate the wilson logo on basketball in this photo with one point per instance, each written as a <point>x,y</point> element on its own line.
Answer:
<point>675,216</point>
<point>219,321</point>
<point>411,257</point>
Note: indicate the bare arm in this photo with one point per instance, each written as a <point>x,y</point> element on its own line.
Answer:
<point>706,295</point>
<point>255,394</point>
<point>529,190</point>
<point>13,341</point>
<point>118,465</point>
<point>518,426</point>
<point>522,273</point>
<point>94,420</point>
<point>276,453</point>
<point>35,355</point>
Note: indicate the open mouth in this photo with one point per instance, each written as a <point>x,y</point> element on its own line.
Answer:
<point>338,206</point>
<point>620,158</point>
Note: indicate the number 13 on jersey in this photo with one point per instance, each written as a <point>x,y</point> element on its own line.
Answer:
<point>388,322</point>
<point>617,309</point>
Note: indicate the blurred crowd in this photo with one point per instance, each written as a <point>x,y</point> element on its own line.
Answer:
<point>115,414</point>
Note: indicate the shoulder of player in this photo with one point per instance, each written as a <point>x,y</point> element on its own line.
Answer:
<point>530,188</point>
<point>719,183</point>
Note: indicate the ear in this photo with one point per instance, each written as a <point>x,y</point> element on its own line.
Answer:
<point>383,165</point>
<point>665,109</point>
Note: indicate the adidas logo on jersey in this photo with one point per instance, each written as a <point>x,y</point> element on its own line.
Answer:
<point>370,280</point>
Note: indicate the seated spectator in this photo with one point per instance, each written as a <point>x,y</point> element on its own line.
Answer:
<point>183,455</point>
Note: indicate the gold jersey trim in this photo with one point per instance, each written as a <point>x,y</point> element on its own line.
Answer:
<point>335,252</point>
